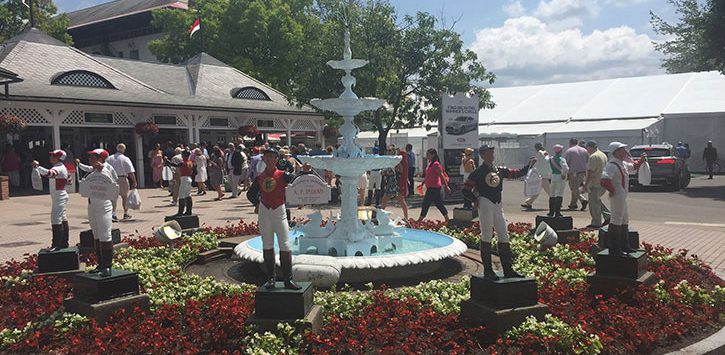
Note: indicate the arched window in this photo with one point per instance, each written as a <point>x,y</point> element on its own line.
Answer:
<point>250,93</point>
<point>82,78</point>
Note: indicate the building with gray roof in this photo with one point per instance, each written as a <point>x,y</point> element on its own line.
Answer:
<point>89,101</point>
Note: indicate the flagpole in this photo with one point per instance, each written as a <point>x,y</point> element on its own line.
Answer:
<point>201,40</point>
<point>32,16</point>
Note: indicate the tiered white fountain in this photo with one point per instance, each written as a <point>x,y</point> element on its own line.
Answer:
<point>346,250</point>
<point>350,237</point>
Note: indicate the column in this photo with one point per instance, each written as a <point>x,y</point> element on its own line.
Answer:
<point>56,134</point>
<point>289,137</point>
<point>140,176</point>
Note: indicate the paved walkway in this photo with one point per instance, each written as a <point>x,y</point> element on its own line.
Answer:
<point>26,226</point>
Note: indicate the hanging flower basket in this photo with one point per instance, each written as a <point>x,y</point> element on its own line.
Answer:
<point>250,131</point>
<point>11,124</point>
<point>330,132</point>
<point>147,128</point>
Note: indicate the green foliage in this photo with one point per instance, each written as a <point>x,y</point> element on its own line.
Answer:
<point>695,43</point>
<point>287,340</point>
<point>161,275</point>
<point>15,17</point>
<point>547,265</point>
<point>561,337</point>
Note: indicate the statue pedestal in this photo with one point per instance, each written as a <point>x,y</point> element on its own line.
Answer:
<point>99,297</point>
<point>503,304</point>
<point>556,223</point>
<point>463,217</point>
<point>64,260</point>
<point>603,241</point>
<point>186,222</point>
<point>283,305</point>
<point>87,243</point>
<point>619,272</point>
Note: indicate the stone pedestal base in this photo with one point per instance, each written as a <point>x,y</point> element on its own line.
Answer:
<point>58,261</point>
<point>186,222</point>
<point>283,305</point>
<point>87,243</point>
<point>568,236</point>
<point>556,223</point>
<point>92,288</point>
<point>312,321</point>
<point>463,217</point>
<point>502,304</point>
<point>614,273</point>
<point>633,238</point>
<point>500,320</point>
<point>101,311</point>
<point>609,285</point>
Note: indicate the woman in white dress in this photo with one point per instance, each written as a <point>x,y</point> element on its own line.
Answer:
<point>201,176</point>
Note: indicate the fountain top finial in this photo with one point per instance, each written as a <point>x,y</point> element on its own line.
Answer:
<point>347,54</point>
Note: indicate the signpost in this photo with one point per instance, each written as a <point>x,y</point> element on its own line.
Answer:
<point>459,130</point>
<point>99,186</point>
<point>307,190</point>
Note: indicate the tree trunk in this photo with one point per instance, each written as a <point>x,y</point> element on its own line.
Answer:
<point>382,136</point>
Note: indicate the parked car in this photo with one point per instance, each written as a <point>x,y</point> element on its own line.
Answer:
<point>461,125</point>
<point>667,168</point>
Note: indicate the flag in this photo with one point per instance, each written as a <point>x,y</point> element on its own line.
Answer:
<point>195,27</point>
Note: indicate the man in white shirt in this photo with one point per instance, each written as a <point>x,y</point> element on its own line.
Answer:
<point>544,168</point>
<point>126,177</point>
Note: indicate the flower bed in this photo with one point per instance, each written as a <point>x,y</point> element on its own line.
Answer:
<point>194,314</point>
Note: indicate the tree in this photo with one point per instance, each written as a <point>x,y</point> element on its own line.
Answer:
<point>411,64</point>
<point>264,38</point>
<point>714,33</point>
<point>687,50</point>
<point>15,17</point>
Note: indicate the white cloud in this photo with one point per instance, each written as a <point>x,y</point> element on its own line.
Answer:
<point>562,9</point>
<point>624,3</point>
<point>514,8</point>
<point>526,50</point>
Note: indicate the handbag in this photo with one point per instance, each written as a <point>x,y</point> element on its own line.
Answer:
<point>644,175</point>
<point>36,180</point>
<point>532,182</point>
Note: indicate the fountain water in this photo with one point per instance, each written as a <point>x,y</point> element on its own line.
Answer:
<point>360,248</point>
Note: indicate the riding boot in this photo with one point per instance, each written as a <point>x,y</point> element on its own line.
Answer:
<point>107,252</point>
<point>557,206</point>
<point>97,245</point>
<point>285,259</point>
<point>182,206</point>
<point>189,204</point>
<point>57,230</point>
<point>552,208</point>
<point>624,239</point>
<point>488,272</point>
<point>269,268</point>
<point>613,239</point>
<point>66,235</point>
<point>507,260</point>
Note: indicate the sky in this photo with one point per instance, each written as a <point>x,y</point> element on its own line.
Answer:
<point>526,42</point>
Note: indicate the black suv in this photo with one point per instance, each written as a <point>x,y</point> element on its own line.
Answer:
<point>667,168</point>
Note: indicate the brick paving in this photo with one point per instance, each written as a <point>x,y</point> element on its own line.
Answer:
<point>25,226</point>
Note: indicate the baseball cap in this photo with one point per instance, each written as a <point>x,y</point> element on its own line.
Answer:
<point>592,144</point>
<point>485,147</point>
<point>615,145</point>
<point>102,153</point>
<point>61,154</point>
<point>558,148</point>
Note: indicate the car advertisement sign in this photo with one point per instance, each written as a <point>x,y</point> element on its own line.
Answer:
<point>459,128</point>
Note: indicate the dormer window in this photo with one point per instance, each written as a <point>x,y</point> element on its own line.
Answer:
<point>250,93</point>
<point>82,78</point>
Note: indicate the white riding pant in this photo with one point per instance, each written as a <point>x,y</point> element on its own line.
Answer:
<point>557,186</point>
<point>99,217</point>
<point>490,216</point>
<point>59,203</point>
<point>185,187</point>
<point>618,208</point>
<point>271,222</point>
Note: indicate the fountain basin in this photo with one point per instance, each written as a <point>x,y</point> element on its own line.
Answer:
<point>422,253</point>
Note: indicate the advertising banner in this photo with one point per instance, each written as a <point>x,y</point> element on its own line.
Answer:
<point>459,126</point>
